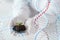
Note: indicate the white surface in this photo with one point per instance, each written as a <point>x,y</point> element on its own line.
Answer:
<point>5,17</point>
<point>6,9</point>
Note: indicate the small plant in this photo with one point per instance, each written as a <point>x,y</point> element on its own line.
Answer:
<point>19,27</point>
<point>19,23</point>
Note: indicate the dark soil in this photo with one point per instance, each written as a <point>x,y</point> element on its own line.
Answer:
<point>19,28</point>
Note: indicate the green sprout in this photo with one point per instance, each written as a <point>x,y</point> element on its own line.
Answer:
<point>19,23</point>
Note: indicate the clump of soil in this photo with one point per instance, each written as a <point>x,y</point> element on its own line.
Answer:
<point>19,28</point>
